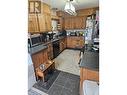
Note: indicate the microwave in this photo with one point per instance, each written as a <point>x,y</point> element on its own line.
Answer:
<point>34,41</point>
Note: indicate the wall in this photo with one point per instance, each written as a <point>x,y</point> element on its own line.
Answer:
<point>31,74</point>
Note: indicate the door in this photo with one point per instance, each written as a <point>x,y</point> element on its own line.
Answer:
<point>48,22</point>
<point>42,24</point>
<point>32,23</point>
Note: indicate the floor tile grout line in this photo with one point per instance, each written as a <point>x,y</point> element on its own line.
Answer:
<point>50,87</point>
<point>58,84</point>
<point>39,91</point>
<point>53,82</point>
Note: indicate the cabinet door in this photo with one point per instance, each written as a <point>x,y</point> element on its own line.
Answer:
<point>42,24</point>
<point>69,42</point>
<point>37,59</point>
<point>65,43</point>
<point>72,23</point>
<point>48,22</point>
<point>32,23</point>
<point>67,23</point>
<point>75,42</point>
<point>46,8</point>
<point>76,22</point>
<point>50,51</point>
<point>62,23</point>
<point>81,22</point>
<point>61,45</point>
<point>45,55</point>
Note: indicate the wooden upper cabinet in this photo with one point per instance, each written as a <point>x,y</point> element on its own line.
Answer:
<point>46,8</point>
<point>80,22</point>
<point>48,22</point>
<point>86,12</point>
<point>75,22</point>
<point>32,23</point>
<point>66,23</point>
<point>40,22</point>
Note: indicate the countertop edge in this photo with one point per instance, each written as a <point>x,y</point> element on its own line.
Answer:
<point>83,65</point>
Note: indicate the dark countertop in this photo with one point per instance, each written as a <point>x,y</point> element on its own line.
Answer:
<point>38,48</point>
<point>74,36</point>
<point>43,46</point>
<point>90,60</point>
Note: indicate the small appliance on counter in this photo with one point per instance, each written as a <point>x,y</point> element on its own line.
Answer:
<point>37,39</point>
<point>63,33</point>
<point>34,40</point>
<point>44,37</point>
<point>73,34</point>
<point>51,35</point>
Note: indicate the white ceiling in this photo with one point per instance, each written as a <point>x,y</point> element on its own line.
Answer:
<point>79,4</point>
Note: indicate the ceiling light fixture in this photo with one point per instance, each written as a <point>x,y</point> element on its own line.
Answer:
<point>69,8</point>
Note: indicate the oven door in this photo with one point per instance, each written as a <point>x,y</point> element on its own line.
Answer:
<point>56,49</point>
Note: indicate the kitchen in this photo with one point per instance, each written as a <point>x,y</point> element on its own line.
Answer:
<point>63,47</point>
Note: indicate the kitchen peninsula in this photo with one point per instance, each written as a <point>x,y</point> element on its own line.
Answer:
<point>89,68</point>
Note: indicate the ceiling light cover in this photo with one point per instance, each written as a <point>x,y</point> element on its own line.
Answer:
<point>69,8</point>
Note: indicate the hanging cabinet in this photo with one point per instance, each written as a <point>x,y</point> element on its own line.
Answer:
<point>40,22</point>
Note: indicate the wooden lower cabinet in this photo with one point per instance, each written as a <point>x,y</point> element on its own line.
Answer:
<point>75,42</point>
<point>87,74</point>
<point>62,44</point>
<point>50,51</point>
<point>39,58</point>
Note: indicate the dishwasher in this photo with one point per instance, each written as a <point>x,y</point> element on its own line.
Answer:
<point>56,48</point>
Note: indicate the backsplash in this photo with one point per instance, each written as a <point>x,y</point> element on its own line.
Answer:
<point>75,31</point>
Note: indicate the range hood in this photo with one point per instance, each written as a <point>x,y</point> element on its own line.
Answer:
<point>69,8</point>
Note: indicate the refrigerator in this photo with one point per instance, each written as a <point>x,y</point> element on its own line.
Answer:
<point>91,30</point>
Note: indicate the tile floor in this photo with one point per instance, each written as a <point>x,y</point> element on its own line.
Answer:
<point>68,80</point>
<point>34,91</point>
<point>65,84</point>
<point>45,86</point>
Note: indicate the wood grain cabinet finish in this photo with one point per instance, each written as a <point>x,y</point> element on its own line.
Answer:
<point>48,22</point>
<point>62,44</point>
<point>77,22</point>
<point>40,22</point>
<point>87,74</point>
<point>32,23</point>
<point>75,42</point>
<point>46,9</point>
<point>39,58</point>
<point>50,51</point>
